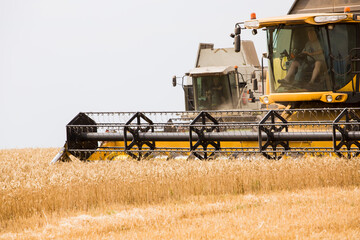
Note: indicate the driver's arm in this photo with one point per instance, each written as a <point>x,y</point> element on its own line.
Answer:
<point>313,53</point>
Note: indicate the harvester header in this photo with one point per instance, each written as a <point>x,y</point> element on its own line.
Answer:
<point>108,136</point>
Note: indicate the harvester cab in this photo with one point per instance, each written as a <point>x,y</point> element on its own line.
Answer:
<point>313,53</point>
<point>223,79</point>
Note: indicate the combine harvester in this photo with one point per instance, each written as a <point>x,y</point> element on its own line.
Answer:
<point>312,87</point>
<point>223,79</point>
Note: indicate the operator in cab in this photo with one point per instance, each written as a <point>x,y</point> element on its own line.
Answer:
<point>312,57</point>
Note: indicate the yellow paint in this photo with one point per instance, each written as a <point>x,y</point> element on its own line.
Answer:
<point>267,91</point>
<point>122,155</point>
<point>349,87</point>
<point>304,96</point>
<point>186,145</point>
<point>278,72</point>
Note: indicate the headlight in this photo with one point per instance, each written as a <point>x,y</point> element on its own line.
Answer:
<point>329,98</point>
<point>326,19</point>
<point>266,100</point>
<point>252,24</point>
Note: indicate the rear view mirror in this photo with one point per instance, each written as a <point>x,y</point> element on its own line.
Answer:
<point>174,81</point>
<point>237,43</point>
<point>255,85</point>
<point>237,39</point>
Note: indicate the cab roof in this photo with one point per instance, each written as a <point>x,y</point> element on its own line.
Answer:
<point>293,19</point>
<point>213,70</point>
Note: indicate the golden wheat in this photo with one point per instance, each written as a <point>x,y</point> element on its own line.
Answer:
<point>31,188</point>
<point>321,213</point>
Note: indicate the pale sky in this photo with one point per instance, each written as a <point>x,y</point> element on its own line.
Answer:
<point>62,57</point>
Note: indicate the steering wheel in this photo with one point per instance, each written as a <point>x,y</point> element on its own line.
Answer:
<point>304,57</point>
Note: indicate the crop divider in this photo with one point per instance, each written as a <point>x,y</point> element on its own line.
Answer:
<point>80,124</point>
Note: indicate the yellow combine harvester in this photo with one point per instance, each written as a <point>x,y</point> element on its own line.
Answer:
<point>312,86</point>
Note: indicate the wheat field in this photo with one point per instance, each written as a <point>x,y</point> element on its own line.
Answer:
<point>243,198</point>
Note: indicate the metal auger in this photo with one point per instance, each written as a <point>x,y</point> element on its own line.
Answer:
<point>104,136</point>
